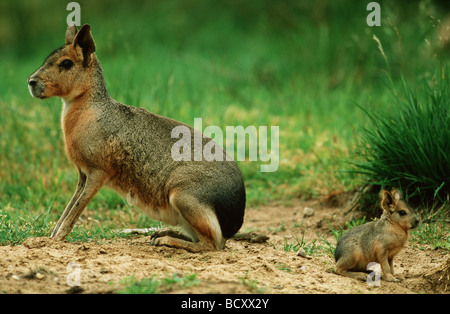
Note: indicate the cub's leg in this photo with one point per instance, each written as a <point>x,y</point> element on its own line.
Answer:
<point>345,266</point>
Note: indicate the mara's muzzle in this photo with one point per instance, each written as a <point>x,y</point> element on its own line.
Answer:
<point>36,87</point>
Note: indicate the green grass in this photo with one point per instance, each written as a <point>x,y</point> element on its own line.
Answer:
<point>295,245</point>
<point>154,285</point>
<point>252,285</point>
<point>433,231</point>
<point>320,245</point>
<point>304,67</point>
<point>435,235</point>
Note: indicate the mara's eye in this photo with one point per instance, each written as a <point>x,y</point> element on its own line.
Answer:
<point>66,64</point>
<point>402,213</point>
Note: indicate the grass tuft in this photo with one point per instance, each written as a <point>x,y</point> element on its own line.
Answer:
<point>409,146</point>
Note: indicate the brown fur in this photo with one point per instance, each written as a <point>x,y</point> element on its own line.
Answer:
<point>129,150</point>
<point>378,241</point>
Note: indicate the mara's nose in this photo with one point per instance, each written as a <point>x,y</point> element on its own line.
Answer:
<point>32,81</point>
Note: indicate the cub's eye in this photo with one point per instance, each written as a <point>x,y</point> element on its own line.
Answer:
<point>402,213</point>
<point>66,64</point>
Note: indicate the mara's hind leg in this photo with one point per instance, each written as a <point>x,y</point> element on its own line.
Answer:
<point>352,274</point>
<point>168,232</point>
<point>199,220</point>
<point>345,266</point>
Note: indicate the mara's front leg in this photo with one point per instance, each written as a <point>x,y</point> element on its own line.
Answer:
<point>388,272</point>
<point>76,195</point>
<point>88,185</point>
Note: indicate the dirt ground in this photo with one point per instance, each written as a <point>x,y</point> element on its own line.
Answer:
<point>41,265</point>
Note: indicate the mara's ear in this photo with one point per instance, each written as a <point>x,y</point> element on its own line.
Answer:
<point>70,33</point>
<point>387,199</point>
<point>84,40</point>
<point>396,194</point>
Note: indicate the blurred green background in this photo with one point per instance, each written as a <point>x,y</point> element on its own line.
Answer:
<point>301,65</point>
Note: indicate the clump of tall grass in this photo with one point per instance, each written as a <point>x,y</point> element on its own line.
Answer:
<point>409,147</point>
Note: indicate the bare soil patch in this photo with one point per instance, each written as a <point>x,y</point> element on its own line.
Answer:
<point>42,265</point>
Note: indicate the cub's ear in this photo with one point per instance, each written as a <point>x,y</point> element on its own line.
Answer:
<point>70,33</point>
<point>397,194</point>
<point>387,199</point>
<point>84,40</point>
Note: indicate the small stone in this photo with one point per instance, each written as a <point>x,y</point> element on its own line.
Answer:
<point>308,212</point>
<point>302,253</point>
<point>251,237</point>
<point>278,287</point>
<point>83,248</point>
<point>39,276</point>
